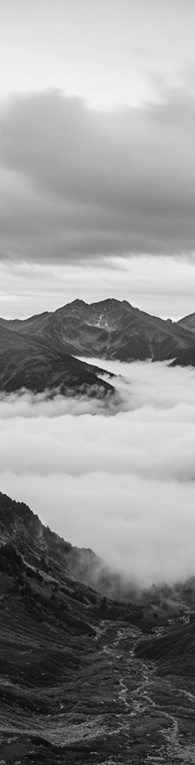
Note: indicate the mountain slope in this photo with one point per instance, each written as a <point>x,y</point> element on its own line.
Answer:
<point>26,362</point>
<point>188,322</point>
<point>20,527</point>
<point>77,683</point>
<point>173,651</point>
<point>108,329</point>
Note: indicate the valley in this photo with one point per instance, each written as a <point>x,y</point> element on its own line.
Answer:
<point>97,382</point>
<point>39,353</point>
<point>93,669</point>
<point>84,679</point>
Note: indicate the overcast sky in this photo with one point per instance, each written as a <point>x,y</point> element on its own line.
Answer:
<point>97,154</point>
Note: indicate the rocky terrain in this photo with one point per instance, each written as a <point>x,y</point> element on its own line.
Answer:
<point>30,363</point>
<point>38,354</point>
<point>109,329</point>
<point>83,678</point>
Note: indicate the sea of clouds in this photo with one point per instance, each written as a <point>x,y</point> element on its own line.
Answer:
<point>119,478</point>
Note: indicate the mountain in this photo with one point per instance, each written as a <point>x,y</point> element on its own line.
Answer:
<point>188,322</point>
<point>79,682</point>
<point>185,358</point>
<point>20,527</point>
<point>109,329</point>
<point>174,651</point>
<point>29,362</point>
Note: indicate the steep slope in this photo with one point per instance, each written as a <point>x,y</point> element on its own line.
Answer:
<point>29,363</point>
<point>185,358</point>
<point>174,651</point>
<point>108,329</point>
<point>20,527</point>
<point>77,682</point>
<point>188,322</point>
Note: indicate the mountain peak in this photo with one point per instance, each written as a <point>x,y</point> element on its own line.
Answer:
<point>106,329</point>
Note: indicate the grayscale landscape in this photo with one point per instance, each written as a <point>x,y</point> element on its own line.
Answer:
<point>97,599</point>
<point>97,382</point>
<point>86,677</point>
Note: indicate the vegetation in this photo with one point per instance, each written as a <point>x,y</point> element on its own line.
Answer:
<point>86,678</point>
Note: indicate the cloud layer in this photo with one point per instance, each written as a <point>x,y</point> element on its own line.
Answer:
<point>76,183</point>
<point>123,484</point>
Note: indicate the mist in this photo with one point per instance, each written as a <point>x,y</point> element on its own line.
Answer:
<point>117,476</point>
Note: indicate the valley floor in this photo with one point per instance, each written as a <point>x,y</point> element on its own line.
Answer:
<point>107,707</point>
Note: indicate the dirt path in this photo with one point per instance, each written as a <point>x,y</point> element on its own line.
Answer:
<point>141,702</point>
<point>116,710</point>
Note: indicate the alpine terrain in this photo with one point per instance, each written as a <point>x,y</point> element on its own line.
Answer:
<point>37,353</point>
<point>85,678</point>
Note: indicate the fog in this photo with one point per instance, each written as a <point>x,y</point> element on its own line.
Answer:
<point>117,478</point>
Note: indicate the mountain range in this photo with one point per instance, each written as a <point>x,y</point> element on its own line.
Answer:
<point>85,678</point>
<point>40,352</point>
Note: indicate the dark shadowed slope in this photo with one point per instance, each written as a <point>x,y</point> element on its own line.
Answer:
<point>185,358</point>
<point>77,683</point>
<point>174,651</point>
<point>108,329</point>
<point>20,527</point>
<point>29,363</point>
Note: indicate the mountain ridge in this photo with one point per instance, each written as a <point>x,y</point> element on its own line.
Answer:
<point>108,329</point>
<point>31,363</point>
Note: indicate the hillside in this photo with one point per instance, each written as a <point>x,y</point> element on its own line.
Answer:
<point>174,652</point>
<point>109,329</point>
<point>79,682</point>
<point>27,362</point>
<point>188,322</point>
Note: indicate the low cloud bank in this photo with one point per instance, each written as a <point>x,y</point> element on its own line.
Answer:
<point>122,484</point>
<point>52,404</point>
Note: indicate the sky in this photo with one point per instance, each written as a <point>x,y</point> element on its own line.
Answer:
<point>119,479</point>
<point>97,154</point>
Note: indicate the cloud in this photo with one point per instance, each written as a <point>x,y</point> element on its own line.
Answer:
<point>122,484</point>
<point>77,183</point>
<point>160,286</point>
